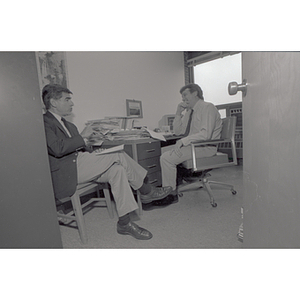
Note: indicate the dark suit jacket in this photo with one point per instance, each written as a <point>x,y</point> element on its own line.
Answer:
<point>62,153</point>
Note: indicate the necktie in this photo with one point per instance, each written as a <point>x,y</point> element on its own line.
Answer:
<point>65,126</point>
<point>188,127</point>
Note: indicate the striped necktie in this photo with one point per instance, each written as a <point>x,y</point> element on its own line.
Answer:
<point>188,127</point>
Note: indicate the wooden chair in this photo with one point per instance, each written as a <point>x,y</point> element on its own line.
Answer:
<point>206,164</point>
<point>77,214</point>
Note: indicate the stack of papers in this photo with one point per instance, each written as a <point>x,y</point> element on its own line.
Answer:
<point>156,135</point>
<point>110,129</point>
<point>132,134</point>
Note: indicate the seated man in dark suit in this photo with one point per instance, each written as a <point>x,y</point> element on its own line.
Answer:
<point>72,162</point>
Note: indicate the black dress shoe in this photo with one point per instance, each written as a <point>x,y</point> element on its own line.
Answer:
<point>156,193</point>
<point>170,199</point>
<point>135,231</point>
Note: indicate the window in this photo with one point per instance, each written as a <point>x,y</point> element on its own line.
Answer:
<point>214,76</point>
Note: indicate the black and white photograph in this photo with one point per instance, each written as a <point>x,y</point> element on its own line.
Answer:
<point>149,152</point>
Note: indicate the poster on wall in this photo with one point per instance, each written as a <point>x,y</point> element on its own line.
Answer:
<point>52,68</point>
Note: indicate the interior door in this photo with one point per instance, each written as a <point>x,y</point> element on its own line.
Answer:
<point>27,208</point>
<point>271,111</point>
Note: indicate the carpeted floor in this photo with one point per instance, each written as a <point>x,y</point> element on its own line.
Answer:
<point>191,223</point>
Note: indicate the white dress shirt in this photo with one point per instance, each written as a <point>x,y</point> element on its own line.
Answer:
<point>206,123</point>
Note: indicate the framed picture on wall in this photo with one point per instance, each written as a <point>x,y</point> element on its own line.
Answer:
<point>134,108</point>
<point>52,68</point>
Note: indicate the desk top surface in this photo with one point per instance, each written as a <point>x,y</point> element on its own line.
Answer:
<point>126,142</point>
<point>139,141</point>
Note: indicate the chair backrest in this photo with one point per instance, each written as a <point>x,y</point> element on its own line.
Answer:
<point>228,129</point>
<point>228,133</point>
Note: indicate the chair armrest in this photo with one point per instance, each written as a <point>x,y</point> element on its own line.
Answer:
<point>211,142</point>
<point>206,142</point>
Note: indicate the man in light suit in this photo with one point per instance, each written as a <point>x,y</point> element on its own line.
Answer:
<point>72,162</point>
<point>200,122</point>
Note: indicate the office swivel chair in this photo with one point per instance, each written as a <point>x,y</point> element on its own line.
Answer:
<point>203,165</point>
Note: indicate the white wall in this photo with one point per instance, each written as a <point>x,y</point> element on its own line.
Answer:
<point>102,81</point>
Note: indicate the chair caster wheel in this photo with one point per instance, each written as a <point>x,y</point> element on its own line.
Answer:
<point>180,194</point>
<point>214,204</point>
<point>233,192</point>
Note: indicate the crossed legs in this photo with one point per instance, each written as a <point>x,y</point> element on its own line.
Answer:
<point>117,178</point>
<point>122,173</point>
<point>119,170</point>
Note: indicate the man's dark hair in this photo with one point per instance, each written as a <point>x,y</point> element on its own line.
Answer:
<point>53,91</point>
<point>192,88</point>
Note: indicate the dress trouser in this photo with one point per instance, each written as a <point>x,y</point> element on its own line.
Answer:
<point>119,170</point>
<point>169,160</point>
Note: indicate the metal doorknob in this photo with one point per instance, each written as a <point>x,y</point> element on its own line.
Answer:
<point>233,88</point>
